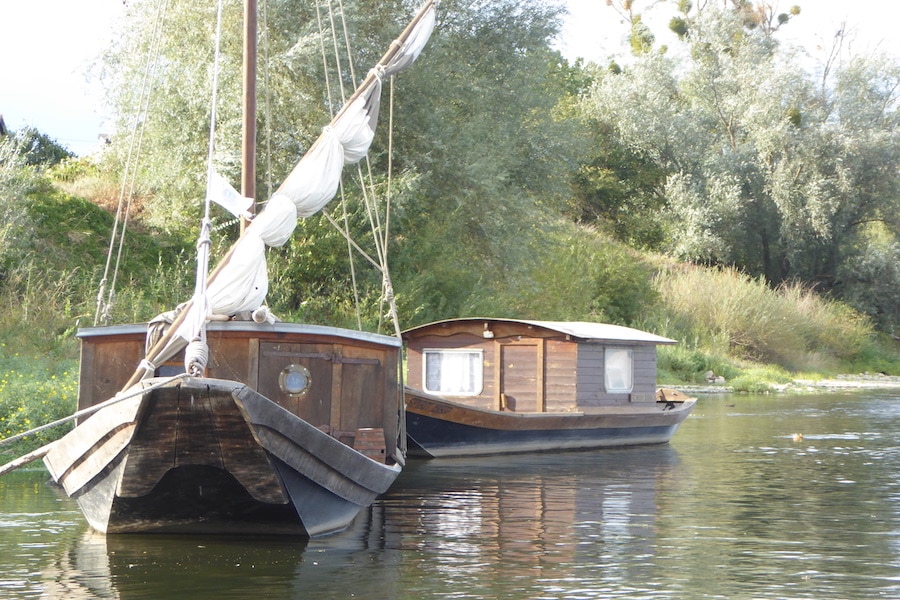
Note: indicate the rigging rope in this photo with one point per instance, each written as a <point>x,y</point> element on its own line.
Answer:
<point>196,355</point>
<point>129,175</point>
<point>379,231</point>
<point>92,409</point>
<point>46,448</point>
<point>267,102</point>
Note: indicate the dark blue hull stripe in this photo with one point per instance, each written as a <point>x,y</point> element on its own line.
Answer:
<point>435,437</point>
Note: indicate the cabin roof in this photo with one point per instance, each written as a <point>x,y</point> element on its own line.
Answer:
<point>582,330</point>
<point>279,327</point>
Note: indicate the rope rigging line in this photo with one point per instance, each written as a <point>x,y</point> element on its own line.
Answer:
<point>330,95</point>
<point>129,175</point>
<point>379,231</point>
<point>92,409</point>
<point>346,213</point>
<point>46,448</point>
<point>267,102</point>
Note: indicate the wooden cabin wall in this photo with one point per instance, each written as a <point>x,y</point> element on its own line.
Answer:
<point>364,377</point>
<point>314,407</point>
<point>106,365</point>
<point>415,370</point>
<point>352,387</point>
<point>560,369</point>
<point>591,386</point>
<point>234,358</point>
<point>644,374</point>
<point>554,383</point>
<point>521,375</point>
<point>591,391</point>
<point>360,377</point>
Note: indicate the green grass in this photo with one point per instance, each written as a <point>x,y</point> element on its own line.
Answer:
<point>34,390</point>
<point>756,336</point>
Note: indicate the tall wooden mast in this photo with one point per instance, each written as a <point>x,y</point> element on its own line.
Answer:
<point>248,144</point>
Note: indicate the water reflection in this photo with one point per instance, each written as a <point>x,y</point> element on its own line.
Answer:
<point>544,521</point>
<point>220,567</point>
<point>734,507</point>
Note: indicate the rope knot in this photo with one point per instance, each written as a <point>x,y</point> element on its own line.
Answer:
<point>196,357</point>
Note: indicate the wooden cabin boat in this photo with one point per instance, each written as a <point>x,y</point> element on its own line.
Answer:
<point>293,430</point>
<point>218,418</point>
<point>493,386</point>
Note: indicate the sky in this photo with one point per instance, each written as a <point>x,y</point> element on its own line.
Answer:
<point>596,31</point>
<point>47,47</point>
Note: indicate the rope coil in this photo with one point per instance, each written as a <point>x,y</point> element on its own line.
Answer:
<point>196,357</point>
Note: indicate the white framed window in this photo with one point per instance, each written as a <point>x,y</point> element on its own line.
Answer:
<point>618,370</point>
<point>454,372</point>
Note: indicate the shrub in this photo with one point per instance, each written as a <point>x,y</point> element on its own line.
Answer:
<point>34,392</point>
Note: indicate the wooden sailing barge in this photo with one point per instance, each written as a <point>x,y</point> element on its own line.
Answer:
<point>219,418</point>
<point>293,429</point>
<point>496,386</point>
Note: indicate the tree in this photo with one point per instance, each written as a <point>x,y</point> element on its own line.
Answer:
<point>16,180</point>
<point>619,190</point>
<point>487,151</point>
<point>161,76</point>
<point>480,149</point>
<point>39,149</point>
<point>769,170</point>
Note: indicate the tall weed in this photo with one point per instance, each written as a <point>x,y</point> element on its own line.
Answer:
<point>790,326</point>
<point>34,392</point>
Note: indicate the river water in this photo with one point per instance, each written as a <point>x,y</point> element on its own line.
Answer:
<point>734,507</point>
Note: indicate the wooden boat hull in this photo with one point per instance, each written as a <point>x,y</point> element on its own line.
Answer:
<point>212,456</point>
<point>437,427</point>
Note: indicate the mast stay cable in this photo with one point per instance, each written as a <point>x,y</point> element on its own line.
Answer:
<point>105,299</point>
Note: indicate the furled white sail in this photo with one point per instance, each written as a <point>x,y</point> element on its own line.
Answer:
<point>241,283</point>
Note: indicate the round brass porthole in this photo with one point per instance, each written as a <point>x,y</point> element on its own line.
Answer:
<point>294,380</point>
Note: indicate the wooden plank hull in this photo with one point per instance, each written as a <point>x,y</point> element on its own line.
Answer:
<point>212,456</point>
<point>437,427</point>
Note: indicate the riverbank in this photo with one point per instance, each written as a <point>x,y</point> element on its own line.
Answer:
<point>840,383</point>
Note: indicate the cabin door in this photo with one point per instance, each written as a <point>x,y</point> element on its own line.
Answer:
<point>522,377</point>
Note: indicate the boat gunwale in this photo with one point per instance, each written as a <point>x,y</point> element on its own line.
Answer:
<point>588,413</point>
<point>253,327</point>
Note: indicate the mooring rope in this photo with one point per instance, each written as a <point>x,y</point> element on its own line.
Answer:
<point>92,409</point>
<point>43,450</point>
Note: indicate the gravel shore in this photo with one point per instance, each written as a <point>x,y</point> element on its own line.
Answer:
<point>841,382</point>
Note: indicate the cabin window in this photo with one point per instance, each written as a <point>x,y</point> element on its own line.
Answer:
<point>619,369</point>
<point>455,372</point>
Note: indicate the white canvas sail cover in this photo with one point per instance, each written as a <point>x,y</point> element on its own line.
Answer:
<point>221,192</point>
<point>241,283</point>
<point>414,43</point>
<point>315,179</point>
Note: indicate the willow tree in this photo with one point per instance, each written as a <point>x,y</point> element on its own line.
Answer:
<point>769,168</point>
<point>160,82</point>
<point>478,151</point>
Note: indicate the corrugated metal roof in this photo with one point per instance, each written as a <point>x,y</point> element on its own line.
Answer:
<point>599,332</point>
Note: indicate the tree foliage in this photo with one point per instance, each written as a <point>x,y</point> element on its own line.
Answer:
<point>16,180</point>
<point>480,152</point>
<point>720,150</point>
<point>769,168</point>
<point>39,149</point>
